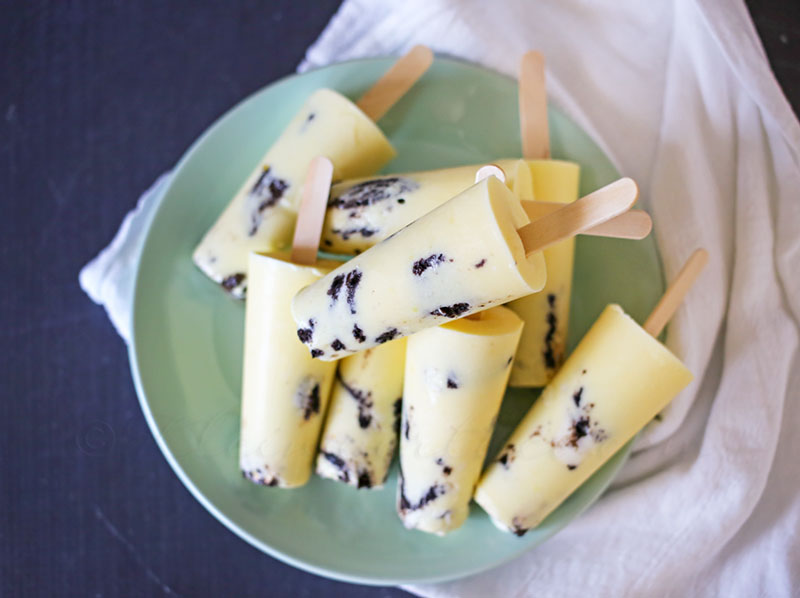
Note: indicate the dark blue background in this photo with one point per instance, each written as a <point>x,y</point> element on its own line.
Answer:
<point>96,100</point>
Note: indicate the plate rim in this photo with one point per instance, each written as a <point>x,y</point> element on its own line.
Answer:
<point>623,453</point>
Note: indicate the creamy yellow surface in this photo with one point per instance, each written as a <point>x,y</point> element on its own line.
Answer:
<point>284,390</point>
<point>261,215</point>
<point>465,256</point>
<point>364,211</point>
<point>546,314</point>
<point>615,382</point>
<point>455,380</point>
<point>360,433</point>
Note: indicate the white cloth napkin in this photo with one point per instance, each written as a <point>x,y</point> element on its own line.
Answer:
<point>108,278</point>
<point>680,96</point>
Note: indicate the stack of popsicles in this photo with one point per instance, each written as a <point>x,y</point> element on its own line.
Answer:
<point>460,286</point>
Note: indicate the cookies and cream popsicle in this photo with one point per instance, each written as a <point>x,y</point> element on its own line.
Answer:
<point>364,211</point>
<point>617,379</point>
<point>360,434</point>
<point>455,379</point>
<point>463,257</point>
<point>261,215</point>
<point>476,251</point>
<point>284,390</point>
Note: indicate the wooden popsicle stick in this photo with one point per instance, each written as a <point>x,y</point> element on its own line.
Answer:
<point>533,107</point>
<point>395,82</point>
<point>676,292</point>
<point>577,217</point>
<point>490,170</point>
<point>633,224</point>
<point>311,214</point>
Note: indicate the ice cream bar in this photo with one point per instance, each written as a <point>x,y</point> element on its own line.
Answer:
<point>360,434</point>
<point>261,215</point>
<point>364,211</point>
<point>463,257</point>
<point>284,390</point>
<point>546,314</point>
<point>456,376</point>
<point>617,379</point>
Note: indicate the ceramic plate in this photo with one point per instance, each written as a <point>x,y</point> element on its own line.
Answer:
<point>186,353</point>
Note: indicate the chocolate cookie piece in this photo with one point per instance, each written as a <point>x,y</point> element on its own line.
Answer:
<point>371,192</point>
<point>419,267</point>
<point>352,280</point>
<point>265,193</point>
<point>430,495</point>
<point>387,336</point>
<point>446,469</point>
<point>338,463</point>
<point>358,334</point>
<point>363,399</point>
<point>397,409</point>
<point>346,233</point>
<point>262,477</point>
<point>305,334</point>
<point>364,480</point>
<point>336,286</point>
<point>582,431</point>
<point>309,400</point>
<point>507,456</point>
<point>551,359</point>
<point>518,528</point>
<point>234,283</point>
<point>451,311</point>
<point>407,423</point>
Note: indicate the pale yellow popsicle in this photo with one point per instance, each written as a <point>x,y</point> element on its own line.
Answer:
<point>617,379</point>
<point>456,377</point>
<point>360,434</point>
<point>261,215</point>
<point>284,391</point>
<point>364,211</point>
<point>465,256</point>
<point>546,314</point>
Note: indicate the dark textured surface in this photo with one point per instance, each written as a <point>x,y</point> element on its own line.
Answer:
<point>778,25</point>
<point>96,100</point>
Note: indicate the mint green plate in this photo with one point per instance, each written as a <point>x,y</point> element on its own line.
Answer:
<point>186,351</point>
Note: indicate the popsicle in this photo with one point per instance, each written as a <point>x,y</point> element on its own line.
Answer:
<point>363,212</point>
<point>284,390</point>
<point>360,433</point>
<point>455,378</point>
<point>617,379</point>
<point>473,252</point>
<point>261,216</point>
<point>546,314</point>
